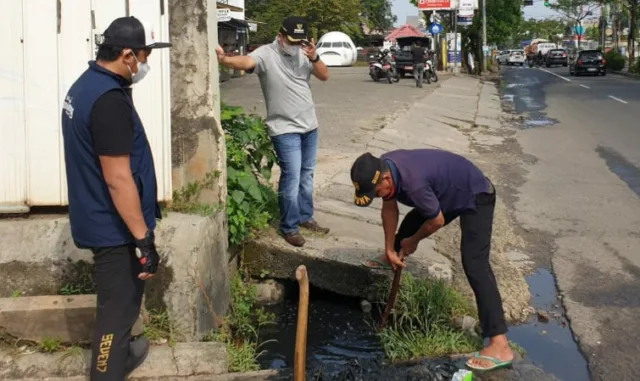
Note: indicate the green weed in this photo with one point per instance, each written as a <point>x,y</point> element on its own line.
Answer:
<point>240,328</point>
<point>49,345</point>
<point>158,326</point>
<point>15,293</point>
<point>420,325</point>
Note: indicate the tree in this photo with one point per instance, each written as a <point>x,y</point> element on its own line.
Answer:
<point>322,15</point>
<point>550,29</point>
<point>377,14</point>
<point>575,10</point>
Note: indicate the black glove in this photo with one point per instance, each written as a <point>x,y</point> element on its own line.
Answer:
<point>147,254</point>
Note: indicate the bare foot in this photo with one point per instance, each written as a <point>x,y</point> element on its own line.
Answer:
<point>498,349</point>
<point>378,263</point>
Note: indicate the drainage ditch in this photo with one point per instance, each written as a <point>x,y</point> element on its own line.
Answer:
<point>342,344</point>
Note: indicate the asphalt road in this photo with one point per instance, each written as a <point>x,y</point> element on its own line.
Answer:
<point>582,196</point>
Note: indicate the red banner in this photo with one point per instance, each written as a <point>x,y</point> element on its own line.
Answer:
<point>434,4</point>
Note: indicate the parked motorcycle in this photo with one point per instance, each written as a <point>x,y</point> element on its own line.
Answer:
<point>430,72</point>
<point>382,68</point>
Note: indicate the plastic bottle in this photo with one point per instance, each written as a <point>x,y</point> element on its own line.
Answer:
<point>462,375</point>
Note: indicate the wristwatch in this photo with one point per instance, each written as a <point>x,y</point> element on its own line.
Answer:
<point>315,60</point>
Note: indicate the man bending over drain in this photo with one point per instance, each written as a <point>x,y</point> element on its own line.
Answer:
<point>440,186</point>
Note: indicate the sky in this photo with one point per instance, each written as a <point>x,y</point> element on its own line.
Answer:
<point>403,8</point>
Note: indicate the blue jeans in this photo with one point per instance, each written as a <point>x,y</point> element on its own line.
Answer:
<point>297,160</point>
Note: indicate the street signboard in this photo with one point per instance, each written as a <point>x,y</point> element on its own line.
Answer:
<point>435,28</point>
<point>224,15</point>
<point>466,8</point>
<point>465,21</point>
<point>432,5</point>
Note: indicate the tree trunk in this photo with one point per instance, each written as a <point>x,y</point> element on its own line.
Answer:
<point>633,25</point>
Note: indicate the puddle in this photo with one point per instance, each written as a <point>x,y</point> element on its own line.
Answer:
<point>549,345</point>
<point>535,120</point>
<point>626,171</point>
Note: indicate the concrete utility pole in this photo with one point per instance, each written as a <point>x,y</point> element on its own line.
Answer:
<point>484,34</point>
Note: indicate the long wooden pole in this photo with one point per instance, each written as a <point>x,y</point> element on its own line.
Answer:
<point>299,367</point>
<point>391,300</point>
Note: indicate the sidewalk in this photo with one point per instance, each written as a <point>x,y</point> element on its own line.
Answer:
<point>460,112</point>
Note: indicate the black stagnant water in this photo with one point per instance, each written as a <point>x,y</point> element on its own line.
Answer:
<point>339,333</point>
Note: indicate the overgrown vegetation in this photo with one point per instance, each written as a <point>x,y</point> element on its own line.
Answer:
<point>240,328</point>
<point>615,60</point>
<point>251,203</point>
<point>158,327</point>
<point>421,324</point>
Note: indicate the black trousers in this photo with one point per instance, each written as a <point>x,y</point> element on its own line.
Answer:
<point>476,227</point>
<point>120,294</point>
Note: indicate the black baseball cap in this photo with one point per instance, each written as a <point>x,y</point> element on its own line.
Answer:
<point>129,32</point>
<point>295,28</point>
<point>365,174</point>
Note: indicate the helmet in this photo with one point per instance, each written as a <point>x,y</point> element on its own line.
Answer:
<point>386,51</point>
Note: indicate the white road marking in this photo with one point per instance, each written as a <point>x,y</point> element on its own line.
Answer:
<point>557,75</point>
<point>617,99</point>
<point>585,86</point>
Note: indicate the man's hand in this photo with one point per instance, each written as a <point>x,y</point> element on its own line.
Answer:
<point>147,255</point>
<point>409,246</point>
<point>395,259</point>
<point>310,50</point>
<point>220,53</point>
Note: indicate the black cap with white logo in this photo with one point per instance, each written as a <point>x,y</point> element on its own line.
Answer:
<point>295,28</point>
<point>365,174</point>
<point>129,32</point>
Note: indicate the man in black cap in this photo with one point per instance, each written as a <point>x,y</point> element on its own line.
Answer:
<point>284,68</point>
<point>441,186</point>
<point>112,190</point>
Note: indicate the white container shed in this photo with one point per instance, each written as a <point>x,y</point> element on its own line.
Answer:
<point>46,46</point>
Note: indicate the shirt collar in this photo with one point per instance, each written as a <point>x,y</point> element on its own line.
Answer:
<point>121,80</point>
<point>394,175</point>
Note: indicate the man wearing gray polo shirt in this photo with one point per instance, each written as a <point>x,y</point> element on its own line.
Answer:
<point>284,68</point>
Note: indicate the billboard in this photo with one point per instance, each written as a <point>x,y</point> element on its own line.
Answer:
<point>432,5</point>
<point>466,8</point>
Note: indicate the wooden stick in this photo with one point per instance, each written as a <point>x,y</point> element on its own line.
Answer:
<point>299,363</point>
<point>391,300</point>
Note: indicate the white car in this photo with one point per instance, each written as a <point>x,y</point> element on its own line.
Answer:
<point>516,57</point>
<point>503,56</point>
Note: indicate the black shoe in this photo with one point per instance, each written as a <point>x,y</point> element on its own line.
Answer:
<point>138,351</point>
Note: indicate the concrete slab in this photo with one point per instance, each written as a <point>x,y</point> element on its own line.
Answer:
<point>69,319</point>
<point>181,360</point>
<point>193,250</point>
<point>334,263</point>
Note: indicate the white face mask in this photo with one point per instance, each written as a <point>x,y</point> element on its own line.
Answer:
<point>291,50</point>
<point>143,70</point>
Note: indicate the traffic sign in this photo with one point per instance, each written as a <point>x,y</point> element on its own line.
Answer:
<point>435,28</point>
<point>547,3</point>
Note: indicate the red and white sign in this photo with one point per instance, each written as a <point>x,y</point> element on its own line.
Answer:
<point>466,8</point>
<point>434,4</point>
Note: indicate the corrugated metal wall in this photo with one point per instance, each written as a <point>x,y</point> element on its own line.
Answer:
<point>46,45</point>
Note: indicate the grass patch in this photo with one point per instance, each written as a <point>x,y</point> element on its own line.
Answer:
<point>49,345</point>
<point>421,324</point>
<point>240,328</point>
<point>517,348</point>
<point>158,327</point>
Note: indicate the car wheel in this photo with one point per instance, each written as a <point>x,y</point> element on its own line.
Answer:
<point>603,73</point>
<point>565,65</point>
<point>571,72</point>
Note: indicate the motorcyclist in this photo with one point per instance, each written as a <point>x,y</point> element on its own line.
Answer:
<point>539,57</point>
